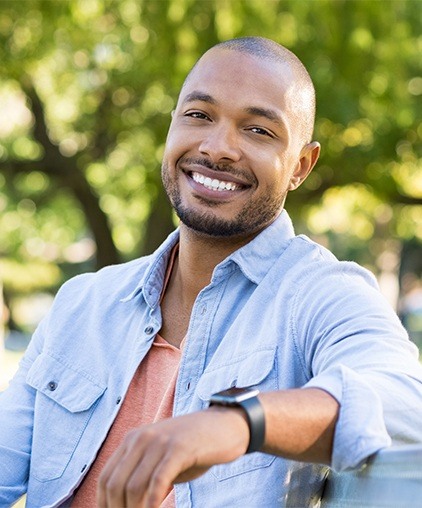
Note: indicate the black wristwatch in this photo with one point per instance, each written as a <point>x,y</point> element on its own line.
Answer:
<point>245,398</point>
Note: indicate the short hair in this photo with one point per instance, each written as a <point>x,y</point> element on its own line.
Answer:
<point>271,50</point>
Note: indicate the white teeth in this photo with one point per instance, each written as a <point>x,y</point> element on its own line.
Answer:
<point>215,184</point>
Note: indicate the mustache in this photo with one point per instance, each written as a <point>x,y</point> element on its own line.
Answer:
<point>226,168</point>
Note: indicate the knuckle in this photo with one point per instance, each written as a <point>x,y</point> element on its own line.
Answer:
<point>102,480</point>
<point>112,487</point>
<point>158,479</point>
<point>131,435</point>
<point>153,499</point>
<point>133,438</point>
<point>161,477</point>
<point>163,440</point>
<point>132,489</point>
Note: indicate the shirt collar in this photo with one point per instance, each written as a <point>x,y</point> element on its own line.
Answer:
<point>153,279</point>
<point>257,257</point>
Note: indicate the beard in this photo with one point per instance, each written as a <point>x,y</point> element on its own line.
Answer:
<point>254,215</point>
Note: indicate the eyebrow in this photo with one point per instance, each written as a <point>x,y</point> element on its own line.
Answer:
<point>199,96</point>
<point>269,114</point>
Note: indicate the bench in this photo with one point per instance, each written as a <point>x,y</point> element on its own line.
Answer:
<point>391,478</point>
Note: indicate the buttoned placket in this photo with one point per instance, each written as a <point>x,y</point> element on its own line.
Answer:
<point>194,358</point>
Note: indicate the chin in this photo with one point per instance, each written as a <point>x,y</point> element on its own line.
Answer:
<point>209,225</point>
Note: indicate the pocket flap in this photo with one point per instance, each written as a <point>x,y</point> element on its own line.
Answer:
<point>68,387</point>
<point>250,370</point>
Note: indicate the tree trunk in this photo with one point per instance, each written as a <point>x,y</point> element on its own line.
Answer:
<point>159,224</point>
<point>67,172</point>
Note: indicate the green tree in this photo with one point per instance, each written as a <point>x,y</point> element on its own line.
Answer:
<point>87,89</point>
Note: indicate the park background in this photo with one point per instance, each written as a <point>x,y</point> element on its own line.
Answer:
<point>86,92</point>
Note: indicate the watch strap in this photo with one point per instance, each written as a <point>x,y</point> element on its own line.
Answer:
<point>256,421</point>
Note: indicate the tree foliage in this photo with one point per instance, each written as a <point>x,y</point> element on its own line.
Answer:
<point>86,94</point>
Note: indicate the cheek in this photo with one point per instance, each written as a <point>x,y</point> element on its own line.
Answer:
<point>176,147</point>
<point>179,138</point>
<point>277,180</point>
<point>271,170</point>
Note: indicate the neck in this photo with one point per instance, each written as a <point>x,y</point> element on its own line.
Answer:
<point>199,255</point>
<point>192,271</point>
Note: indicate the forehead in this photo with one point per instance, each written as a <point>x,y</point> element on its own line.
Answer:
<point>240,77</point>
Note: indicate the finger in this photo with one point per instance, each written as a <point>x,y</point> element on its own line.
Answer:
<point>118,470</point>
<point>164,475</point>
<point>105,475</point>
<point>139,482</point>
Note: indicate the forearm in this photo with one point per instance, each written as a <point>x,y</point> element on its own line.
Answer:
<point>300,424</point>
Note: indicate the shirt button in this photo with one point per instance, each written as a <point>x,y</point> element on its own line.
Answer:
<point>52,385</point>
<point>118,400</point>
<point>83,469</point>
<point>188,386</point>
<point>149,330</point>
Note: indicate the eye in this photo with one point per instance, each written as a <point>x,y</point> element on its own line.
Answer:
<point>197,114</point>
<point>261,131</point>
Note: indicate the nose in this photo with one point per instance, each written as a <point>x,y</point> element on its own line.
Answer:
<point>221,143</point>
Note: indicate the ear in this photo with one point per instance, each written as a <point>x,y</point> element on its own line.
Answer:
<point>308,158</point>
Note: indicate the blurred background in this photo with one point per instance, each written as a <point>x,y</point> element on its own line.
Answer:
<point>86,92</point>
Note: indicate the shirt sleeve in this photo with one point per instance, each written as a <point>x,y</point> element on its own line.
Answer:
<point>16,423</point>
<point>18,402</point>
<point>360,429</point>
<point>355,348</point>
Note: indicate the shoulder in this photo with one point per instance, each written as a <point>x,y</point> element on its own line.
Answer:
<point>116,280</point>
<point>326,286</point>
<point>314,266</point>
<point>88,304</point>
<point>330,292</point>
<point>92,297</point>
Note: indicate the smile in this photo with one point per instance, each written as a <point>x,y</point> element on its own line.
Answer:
<point>214,184</point>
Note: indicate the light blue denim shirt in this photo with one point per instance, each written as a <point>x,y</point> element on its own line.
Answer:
<point>281,312</point>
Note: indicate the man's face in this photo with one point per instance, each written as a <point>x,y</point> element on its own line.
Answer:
<point>232,149</point>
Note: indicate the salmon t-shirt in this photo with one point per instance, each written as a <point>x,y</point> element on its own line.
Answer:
<point>149,399</point>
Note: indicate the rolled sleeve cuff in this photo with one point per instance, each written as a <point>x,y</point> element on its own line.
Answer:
<point>360,429</point>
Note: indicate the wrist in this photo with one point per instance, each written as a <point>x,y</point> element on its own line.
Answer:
<point>245,400</point>
<point>234,418</point>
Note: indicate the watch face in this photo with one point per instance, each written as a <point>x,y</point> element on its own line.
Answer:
<point>233,395</point>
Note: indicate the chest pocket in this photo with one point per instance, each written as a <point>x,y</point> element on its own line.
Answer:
<point>258,369</point>
<point>64,404</point>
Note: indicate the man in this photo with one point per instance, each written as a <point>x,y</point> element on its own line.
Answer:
<point>232,299</point>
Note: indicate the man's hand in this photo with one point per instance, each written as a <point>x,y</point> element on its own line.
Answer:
<point>151,458</point>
